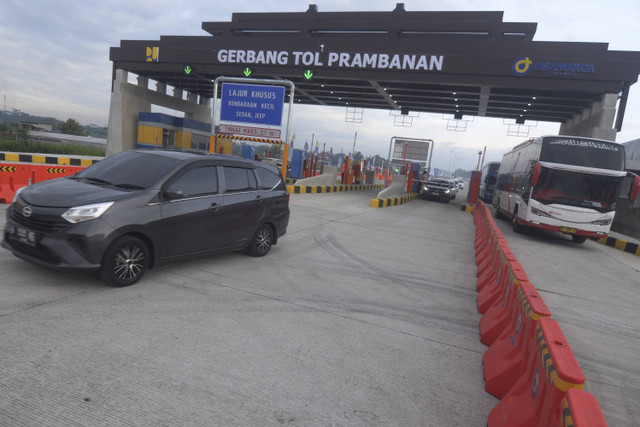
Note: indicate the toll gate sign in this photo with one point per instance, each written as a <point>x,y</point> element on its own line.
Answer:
<point>258,104</point>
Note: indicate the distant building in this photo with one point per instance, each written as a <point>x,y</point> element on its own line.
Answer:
<point>39,127</point>
<point>632,151</point>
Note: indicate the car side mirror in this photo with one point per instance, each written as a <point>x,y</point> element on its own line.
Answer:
<point>535,174</point>
<point>173,193</point>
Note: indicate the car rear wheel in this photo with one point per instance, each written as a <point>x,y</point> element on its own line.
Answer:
<point>262,241</point>
<point>125,261</point>
<point>579,239</point>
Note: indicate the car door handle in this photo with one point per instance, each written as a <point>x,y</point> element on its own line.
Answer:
<point>260,199</point>
<point>215,207</point>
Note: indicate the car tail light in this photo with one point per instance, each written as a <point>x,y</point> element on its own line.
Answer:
<point>288,197</point>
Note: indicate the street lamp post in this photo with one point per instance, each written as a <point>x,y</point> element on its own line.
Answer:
<point>451,151</point>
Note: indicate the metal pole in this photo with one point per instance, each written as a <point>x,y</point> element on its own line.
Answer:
<point>386,178</point>
<point>353,152</point>
<point>430,157</point>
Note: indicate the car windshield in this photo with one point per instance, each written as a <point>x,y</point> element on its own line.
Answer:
<point>598,192</point>
<point>124,170</point>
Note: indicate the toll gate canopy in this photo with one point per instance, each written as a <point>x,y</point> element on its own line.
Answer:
<point>455,63</point>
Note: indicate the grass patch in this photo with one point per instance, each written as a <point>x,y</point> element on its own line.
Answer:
<point>41,148</point>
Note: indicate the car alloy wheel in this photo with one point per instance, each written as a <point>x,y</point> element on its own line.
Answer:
<point>262,241</point>
<point>125,262</point>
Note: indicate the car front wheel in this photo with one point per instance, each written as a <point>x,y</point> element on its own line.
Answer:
<point>125,261</point>
<point>262,241</point>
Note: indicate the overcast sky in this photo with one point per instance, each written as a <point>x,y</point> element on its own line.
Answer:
<point>54,61</point>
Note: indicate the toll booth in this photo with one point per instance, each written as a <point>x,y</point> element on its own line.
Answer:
<point>248,152</point>
<point>157,130</point>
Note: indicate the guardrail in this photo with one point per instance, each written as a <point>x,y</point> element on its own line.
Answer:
<point>529,365</point>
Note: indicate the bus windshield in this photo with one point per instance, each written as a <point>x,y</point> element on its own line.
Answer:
<point>583,152</point>
<point>596,192</point>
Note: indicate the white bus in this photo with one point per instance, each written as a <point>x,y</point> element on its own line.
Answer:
<point>562,183</point>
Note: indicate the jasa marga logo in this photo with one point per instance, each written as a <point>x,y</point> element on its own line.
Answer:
<point>522,66</point>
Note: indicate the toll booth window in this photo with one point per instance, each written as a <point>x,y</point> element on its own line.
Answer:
<point>268,179</point>
<point>198,182</point>
<point>239,179</point>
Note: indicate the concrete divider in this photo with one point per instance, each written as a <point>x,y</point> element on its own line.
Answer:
<point>327,178</point>
<point>313,189</point>
<point>536,398</point>
<point>50,159</point>
<point>393,201</point>
<point>621,244</point>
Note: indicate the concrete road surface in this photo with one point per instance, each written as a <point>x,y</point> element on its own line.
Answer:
<point>358,317</point>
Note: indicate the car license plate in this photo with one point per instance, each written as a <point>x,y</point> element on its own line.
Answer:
<point>568,230</point>
<point>24,235</point>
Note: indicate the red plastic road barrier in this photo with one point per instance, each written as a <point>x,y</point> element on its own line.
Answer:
<point>496,317</point>
<point>15,176</point>
<point>509,271</point>
<point>580,409</point>
<point>536,398</point>
<point>505,361</point>
<point>12,177</point>
<point>41,173</point>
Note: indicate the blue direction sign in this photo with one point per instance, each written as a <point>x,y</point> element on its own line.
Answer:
<point>252,104</point>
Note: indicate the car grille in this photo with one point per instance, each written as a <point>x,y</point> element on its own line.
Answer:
<point>40,221</point>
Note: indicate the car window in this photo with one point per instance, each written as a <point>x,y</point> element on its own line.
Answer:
<point>268,179</point>
<point>198,182</point>
<point>239,179</point>
<point>129,167</point>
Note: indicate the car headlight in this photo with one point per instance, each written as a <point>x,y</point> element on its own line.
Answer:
<point>605,221</point>
<point>18,191</point>
<point>539,212</point>
<point>85,213</point>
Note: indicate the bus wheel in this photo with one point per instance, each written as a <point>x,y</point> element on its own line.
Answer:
<point>517,227</point>
<point>578,239</point>
<point>499,215</point>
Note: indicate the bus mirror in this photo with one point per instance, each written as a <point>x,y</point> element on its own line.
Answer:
<point>535,174</point>
<point>635,187</point>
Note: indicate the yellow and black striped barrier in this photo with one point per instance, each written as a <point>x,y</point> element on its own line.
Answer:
<point>249,138</point>
<point>393,201</point>
<point>51,160</point>
<point>314,189</point>
<point>623,245</point>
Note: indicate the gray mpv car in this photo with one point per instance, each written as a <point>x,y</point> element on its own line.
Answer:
<point>128,212</point>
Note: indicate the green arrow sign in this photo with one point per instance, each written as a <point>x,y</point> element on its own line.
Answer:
<point>187,69</point>
<point>308,74</point>
<point>247,71</point>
